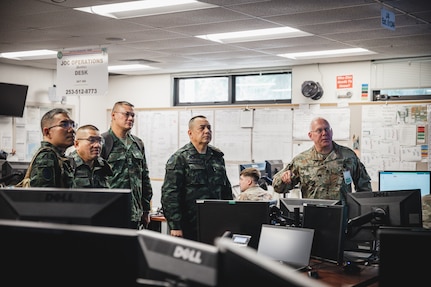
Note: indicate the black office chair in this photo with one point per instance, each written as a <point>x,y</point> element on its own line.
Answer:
<point>11,179</point>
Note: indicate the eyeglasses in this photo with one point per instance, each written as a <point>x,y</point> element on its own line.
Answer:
<point>93,140</point>
<point>65,125</point>
<point>320,131</point>
<point>127,114</point>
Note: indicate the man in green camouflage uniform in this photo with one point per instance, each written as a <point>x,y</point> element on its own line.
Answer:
<point>50,167</point>
<point>326,170</point>
<point>91,170</point>
<point>195,171</point>
<point>129,164</point>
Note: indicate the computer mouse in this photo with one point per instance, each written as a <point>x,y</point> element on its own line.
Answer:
<point>313,274</point>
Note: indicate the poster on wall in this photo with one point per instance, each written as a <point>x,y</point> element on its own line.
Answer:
<point>82,72</point>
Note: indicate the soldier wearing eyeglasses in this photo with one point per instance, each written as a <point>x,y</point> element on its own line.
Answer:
<point>128,161</point>
<point>91,170</point>
<point>326,170</point>
<point>50,166</point>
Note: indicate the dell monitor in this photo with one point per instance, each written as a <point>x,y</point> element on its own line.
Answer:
<point>243,266</point>
<point>56,254</point>
<point>368,210</point>
<point>86,206</point>
<point>174,261</point>
<point>405,179</point>
<point>329,225</point>
<point>216,217</point>
<point>12,99</point>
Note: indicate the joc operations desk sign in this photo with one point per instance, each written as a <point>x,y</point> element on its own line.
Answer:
<point>82,72</point>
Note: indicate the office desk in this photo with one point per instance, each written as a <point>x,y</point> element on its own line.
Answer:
<point>335,276</point>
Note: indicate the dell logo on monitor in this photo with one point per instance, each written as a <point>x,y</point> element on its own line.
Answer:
<point>187,254</point>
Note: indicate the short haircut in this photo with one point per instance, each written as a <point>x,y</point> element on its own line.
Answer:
<point>88,127</point>
<point>121,103</point>
<point>48,117</point>
<point>251,172</point>
<point>193,119</point>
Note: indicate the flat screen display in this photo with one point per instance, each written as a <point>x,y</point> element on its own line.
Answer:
<point>12,99</point>
<point>215,217</point>
<point>403,179</point>
<point>86,206</point>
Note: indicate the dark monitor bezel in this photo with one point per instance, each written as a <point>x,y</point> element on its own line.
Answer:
<point>360,204</point>
<point>405,184</point>
<point>329,224</point>
<point>215,217</point>
<point>398,254</point>
<point>83,206</point>
<point>177,261</point>
<point>13,98</point>
<point>56,254</point>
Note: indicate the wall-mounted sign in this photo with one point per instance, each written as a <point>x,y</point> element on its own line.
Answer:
<point>388,19</point>
<point>82,72</point>
<point>345,82</point>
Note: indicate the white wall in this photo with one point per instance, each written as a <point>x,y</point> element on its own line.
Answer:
<point>326,75</point>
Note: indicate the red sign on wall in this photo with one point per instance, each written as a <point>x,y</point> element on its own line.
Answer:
<point>345,82</point>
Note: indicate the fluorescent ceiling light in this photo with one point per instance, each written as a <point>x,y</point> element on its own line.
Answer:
<point>144,8</point>
<point>255,35</point>
<point>327,53</point>
<point>30,55</point>
<point>129,68</point>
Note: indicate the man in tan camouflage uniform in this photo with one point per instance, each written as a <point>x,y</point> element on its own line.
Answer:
<point>128,162</point>
<point>326,170</point>
<point>426,211</point>
<point>195,171</point>
<point>249,186</point>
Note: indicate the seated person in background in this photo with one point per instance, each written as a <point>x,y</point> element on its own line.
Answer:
<point>249,186</point>
<point>91,170</point>
<point>426,211</point>
<point>326,170</point>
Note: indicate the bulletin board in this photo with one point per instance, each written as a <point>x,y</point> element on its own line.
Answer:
<point>385,135</point>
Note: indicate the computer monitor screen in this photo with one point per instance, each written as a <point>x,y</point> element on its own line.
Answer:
<point>273,166</point>
<point>368,210</point>
<point>288,206</point>
<point>260,166</point>
<point>87,206</point>
<point>56,254</point>
<point>243,266</point>
<point>329,225</point>
<point>13,171</point>
<point>12,99</point>
<point>400,250</point>
<point>405,179</point>
<point>174,261</point>
<point>215,217</point>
